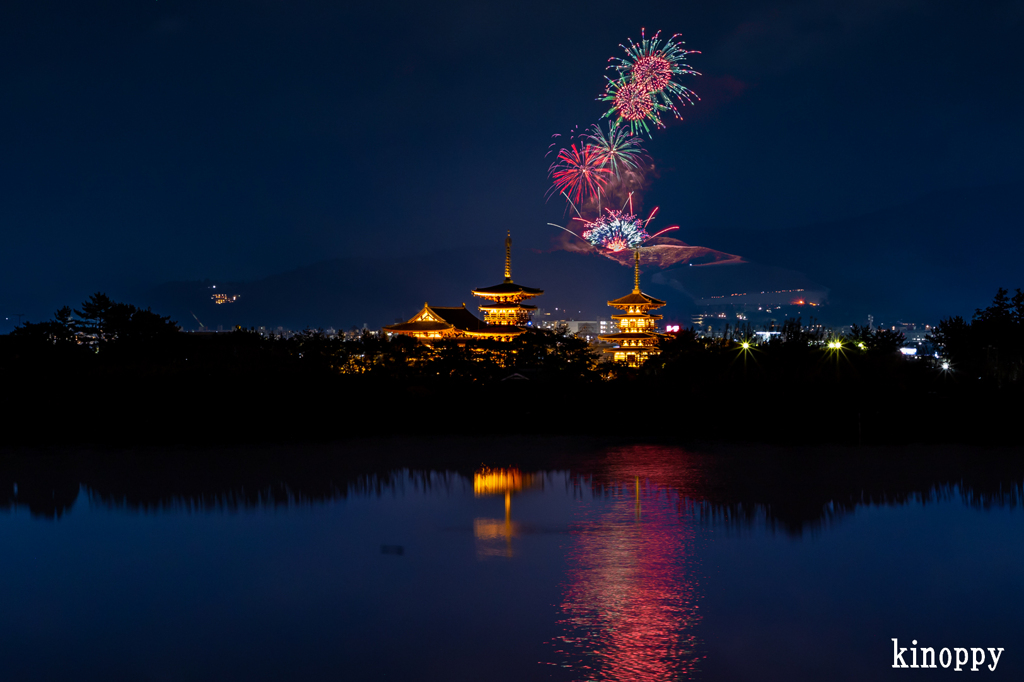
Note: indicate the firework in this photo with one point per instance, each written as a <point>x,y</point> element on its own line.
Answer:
<point>645,83</point>
<point>617,150</point>
<point>579,173</point>
<point>633,104</point>
<point>616,231</point>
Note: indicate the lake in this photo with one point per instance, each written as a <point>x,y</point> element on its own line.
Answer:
<point>544,558</point>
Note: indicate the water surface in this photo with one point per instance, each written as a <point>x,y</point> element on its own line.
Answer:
<point>609,562</point>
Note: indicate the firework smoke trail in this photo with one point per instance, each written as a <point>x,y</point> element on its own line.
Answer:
<point>618,150</point>
<point>579,173</point>
<point>573,205</point>
<point>649,67</point>
<point>568,230</point>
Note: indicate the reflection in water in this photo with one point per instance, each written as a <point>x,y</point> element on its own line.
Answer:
<point>487,481</point>
<point>627,598</point>
<point>630,596</point>
<point>494,536</point>
<point>786,489</point>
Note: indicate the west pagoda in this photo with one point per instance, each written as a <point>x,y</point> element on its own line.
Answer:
<point>506,307</point>
<point>637,338</point>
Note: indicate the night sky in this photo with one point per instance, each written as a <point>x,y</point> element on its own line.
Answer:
<point>153,141</point>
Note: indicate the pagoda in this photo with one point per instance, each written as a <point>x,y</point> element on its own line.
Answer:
<point>637,338</point>
<point>505,301</point>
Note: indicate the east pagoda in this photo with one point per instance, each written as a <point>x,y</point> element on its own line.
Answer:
<point>506,307</point>
<point>637,338</point>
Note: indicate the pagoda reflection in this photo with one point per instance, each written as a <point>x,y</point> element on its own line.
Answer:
<point>629,601</point>
<point>494,536</point>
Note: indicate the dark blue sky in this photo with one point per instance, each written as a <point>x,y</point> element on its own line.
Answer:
<point>142,142</point>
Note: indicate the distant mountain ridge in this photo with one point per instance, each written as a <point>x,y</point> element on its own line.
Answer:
<point>945,254</point>
<point>347,292</point>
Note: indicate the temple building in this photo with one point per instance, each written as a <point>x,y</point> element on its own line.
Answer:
<point>505,316</point>
<point>436,322</point>
<point>505,306</point>
<point>637,338</point>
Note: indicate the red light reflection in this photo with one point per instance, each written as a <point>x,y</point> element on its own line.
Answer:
<point>629,602</point>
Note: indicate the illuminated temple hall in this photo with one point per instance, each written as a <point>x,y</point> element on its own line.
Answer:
<point>505,316</point>
<point>637,338</point>
<point>505,305</point>
<point>436,322</point>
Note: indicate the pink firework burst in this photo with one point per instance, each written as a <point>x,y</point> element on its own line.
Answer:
<point>579,173</point>
<point>646,82</point>
<point>652,72</point>
<point>632,106</point>
<point>633,102</point>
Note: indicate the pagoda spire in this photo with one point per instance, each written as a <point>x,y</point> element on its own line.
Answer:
<point>508,257</point>
<point>636,272</point>
<point>505,301</point>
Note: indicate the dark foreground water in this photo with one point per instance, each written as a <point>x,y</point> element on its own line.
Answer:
<point>405,560</point>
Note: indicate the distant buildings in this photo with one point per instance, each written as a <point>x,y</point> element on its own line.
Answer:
<point>587,329</point>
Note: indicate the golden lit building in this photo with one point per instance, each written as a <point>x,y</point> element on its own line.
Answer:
<point>505,316</point>
<point>637,338</point>
<point>505,305</point>
<point>437,322</point>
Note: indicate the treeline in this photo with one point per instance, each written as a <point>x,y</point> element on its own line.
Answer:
<point>991,346</point>
<point>102,328</point>
<point>112,368</point>
<point>109,337</point>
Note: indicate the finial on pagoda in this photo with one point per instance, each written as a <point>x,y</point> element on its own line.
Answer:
<point>636,272</point>
<point>508,257</point>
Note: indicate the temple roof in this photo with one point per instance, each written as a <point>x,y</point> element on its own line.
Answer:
<point>442,318</point>
<point>506,288</point>
<point>637,297</point>
<point>423,326</point>
<point>439,318</point>
<point>460,318</point>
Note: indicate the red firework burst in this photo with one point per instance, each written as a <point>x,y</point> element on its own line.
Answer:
<point>633,102</point>
<point>580,173</point>
<point>653,72</point>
